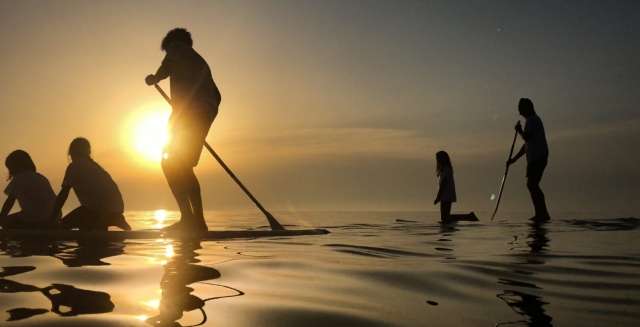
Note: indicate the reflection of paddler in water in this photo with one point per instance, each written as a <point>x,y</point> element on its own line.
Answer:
<point>526,304</point>
<point>194,100</point>
<point>78,301</point>
<point>538,238</point>
<point>176,295</point>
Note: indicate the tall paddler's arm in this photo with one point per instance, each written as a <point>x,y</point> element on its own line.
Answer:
<point>518,155</point>
<point>60,200</point>
<point>163,72</point>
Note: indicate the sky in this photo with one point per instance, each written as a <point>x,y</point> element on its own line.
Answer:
<point>337,105</point>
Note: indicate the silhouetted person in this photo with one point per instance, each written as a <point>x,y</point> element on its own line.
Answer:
<point>195,99</point>
<point>537,151</point>
<point>447,190</point>
<point>32,191</point>
<point>101,203</point>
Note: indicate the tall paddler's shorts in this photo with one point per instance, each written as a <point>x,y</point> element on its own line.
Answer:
<point>536,168</point>
<point>187,132</point>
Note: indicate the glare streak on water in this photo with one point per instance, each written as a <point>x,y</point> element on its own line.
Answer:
<point>373,269</point>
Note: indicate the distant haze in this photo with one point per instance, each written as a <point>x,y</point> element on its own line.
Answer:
<point>338,105</point>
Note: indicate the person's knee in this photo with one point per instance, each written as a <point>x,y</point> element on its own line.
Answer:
<point>533,184</point>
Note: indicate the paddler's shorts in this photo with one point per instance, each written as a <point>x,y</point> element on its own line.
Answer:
<point>536,168</point>
<point>187,131</point>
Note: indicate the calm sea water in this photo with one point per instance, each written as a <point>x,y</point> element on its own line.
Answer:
<point>373,269</point>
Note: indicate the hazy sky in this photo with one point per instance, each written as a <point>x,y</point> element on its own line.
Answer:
<point>338,104</point>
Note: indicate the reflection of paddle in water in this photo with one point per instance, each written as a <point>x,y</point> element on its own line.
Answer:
<point>526,305</point>
<point>176,295</point>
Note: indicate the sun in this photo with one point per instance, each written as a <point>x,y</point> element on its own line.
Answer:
<point>151,134</point>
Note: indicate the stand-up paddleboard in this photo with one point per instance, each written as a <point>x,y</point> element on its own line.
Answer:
<point>464,217</point>
<point>154,234</point>
<point>453,218</point>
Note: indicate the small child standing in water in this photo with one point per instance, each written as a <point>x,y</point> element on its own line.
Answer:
<point>33,192</point>
<point>447,190</point>
<point>101,203</point>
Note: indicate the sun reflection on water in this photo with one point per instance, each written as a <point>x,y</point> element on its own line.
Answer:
<point>169,251</point>
<point>152,303</point>
<point>160,216</point>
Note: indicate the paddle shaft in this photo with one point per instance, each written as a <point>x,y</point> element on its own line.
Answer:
<point>275,225</point>
<point>504,178</point>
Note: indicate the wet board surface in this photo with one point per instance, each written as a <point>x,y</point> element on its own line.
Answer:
<point>154,234</point>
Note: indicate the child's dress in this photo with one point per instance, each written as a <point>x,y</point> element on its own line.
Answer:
<point>449,192</point>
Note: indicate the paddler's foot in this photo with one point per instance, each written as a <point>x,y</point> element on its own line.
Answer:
<point>174,227</point>
<point>121,223</point>
<point>540,218</point>
<point>473,217</point>
<point>184,226</point>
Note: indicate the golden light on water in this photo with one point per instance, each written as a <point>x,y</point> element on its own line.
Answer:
<point>160,216</point>
<point>169,251</point>
<point>142,317</point>
<point>152,303</point>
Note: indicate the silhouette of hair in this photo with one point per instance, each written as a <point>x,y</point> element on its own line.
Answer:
<point>442,160</point>
<point>527,106</point>
<point>81,148</point>
<point>17,162</point>
<point>176,34</point>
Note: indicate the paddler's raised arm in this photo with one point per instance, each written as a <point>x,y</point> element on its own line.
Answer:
<point>163,72</point>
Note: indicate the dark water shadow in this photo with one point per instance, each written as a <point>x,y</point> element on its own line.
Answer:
<point>66,300</point>
<point>524,304</point>
<point>179,273</point>
<point>74,301</point>
<point>71,253</point>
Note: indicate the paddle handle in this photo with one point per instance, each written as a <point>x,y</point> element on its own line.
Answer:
<point>506,171</point>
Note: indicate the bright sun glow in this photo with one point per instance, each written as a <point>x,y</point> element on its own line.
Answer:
<point>151,135</point>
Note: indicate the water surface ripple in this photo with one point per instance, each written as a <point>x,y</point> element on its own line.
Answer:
<point>373,269</point>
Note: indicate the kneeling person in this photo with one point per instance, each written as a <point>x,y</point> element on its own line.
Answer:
<point>101,203</point>
<point>32,191</point>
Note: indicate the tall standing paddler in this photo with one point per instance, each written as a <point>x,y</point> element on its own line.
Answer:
<point>195,99</point>
<point>537,152</point>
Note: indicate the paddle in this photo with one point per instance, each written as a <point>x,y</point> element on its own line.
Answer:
<point>275,225</point>
<point>504,178</point>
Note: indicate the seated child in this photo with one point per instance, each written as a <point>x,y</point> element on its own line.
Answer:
<point>101,203</point>
<point>33,192</point>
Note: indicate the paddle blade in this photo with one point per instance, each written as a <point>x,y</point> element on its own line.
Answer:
<point>504,178</point>
<point>275,225</point>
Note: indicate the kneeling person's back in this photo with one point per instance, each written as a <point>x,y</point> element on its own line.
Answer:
<point>93,186</point>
